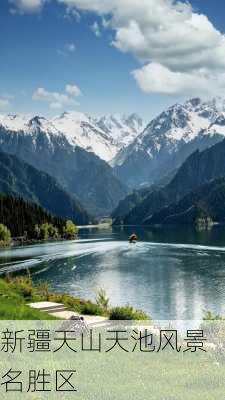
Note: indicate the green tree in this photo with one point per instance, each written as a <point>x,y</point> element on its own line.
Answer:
<point>53,231</point>
<point>70,230</point>
<point>44,231</point>
<point>5,235</point>
<point>37,231</point>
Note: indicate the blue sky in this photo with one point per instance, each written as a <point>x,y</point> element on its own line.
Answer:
<point>57,46</point>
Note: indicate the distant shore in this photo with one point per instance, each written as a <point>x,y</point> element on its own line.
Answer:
<point>17,242</point>
<point>98,226</point>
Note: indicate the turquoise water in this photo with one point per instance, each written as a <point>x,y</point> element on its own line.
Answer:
<point>171,274</point>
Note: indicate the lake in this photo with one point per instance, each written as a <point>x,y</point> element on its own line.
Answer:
<point>170,273</point>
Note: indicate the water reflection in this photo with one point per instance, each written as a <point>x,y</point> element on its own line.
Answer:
<point>170,274</point>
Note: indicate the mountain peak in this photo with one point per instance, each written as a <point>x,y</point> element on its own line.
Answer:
<point>14,122</point>
<point>169,138</point>
<point>73,116</point>
<point>194,102</point>
<point>36,121</point>
<point>39,123</point>
<point>123,129</point>
<point>104,136</point>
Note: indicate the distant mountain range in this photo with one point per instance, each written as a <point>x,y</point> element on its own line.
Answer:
<point>20,179</point>
<point>162,205</point>
<point>104,136</point>
<point>99,161</point>
<point>81,173</point>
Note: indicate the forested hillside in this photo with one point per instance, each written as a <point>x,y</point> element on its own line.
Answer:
<point>21,216</point>
<point>19,179</point>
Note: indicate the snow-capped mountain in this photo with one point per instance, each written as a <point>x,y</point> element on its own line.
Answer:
<point>140,154</point>
<point>104,136</point>
<point>82,130</point>
<point>14,122</point>
<point>27,124</point>
<point>38,142</point>
<point>123,129</point>
<point>169,138</point>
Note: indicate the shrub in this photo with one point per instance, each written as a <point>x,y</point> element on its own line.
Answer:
<point>46,231</point>
<point>53,231</point>
<point>102,300</point>
<point>43,289</point>
<point>5,235</point>
<point>209,316</point>
<point>127,313</point>
<point>70,230</point>
<point>78,305</point>
<point>23,285</point>
<point>89,308</point>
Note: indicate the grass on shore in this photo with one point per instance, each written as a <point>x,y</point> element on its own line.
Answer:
<point>13,305</point>
<point>16,292</point>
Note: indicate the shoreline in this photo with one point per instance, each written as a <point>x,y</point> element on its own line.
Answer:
<point>19,242</point>
<point>17,292</point>
<point>98,226</point>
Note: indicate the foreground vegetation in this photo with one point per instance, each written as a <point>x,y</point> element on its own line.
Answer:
<point>13,299</point>
<point>16,292</point>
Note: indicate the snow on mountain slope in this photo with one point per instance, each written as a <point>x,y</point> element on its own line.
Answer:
<point>81,173</point>
<point>180,123</point>
<point>103,136</point>
<point>217,127</point>
<point>122,140</point>
<point>14,122</point>
<point>169,138</point>
<point>81,130</point>
<point>123,129</point>
<point>26,124</point>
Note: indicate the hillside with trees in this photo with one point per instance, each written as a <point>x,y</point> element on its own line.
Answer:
<point>23,218</point>
<point>19,179</point>
<point>207,203</point>
<point>199,168</point>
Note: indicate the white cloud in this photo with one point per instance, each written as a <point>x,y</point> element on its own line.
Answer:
<point>166,36</point>
<point>73,90</point>
<point>55,106</point>
<point>155,78</point>
<point>71,14</point>
<point>58,100</point>
<point>26,6</point>
<point>96,29</point>
<point>99,6</point>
